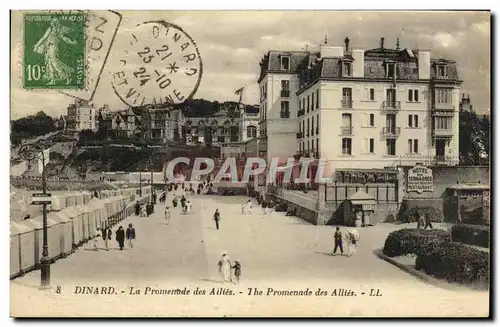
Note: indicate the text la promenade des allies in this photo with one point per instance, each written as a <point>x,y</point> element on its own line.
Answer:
<point>222,291</point>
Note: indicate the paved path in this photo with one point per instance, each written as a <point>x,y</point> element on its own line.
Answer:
<point>277,251</point>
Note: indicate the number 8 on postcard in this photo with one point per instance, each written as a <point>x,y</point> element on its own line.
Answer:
<point>54,51</point>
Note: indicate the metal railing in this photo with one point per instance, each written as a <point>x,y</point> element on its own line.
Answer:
<point>346,130</point>
<point>391,131</point>
<point>299,135</point>
<point>392,105</point>
<point>346,103</point>
<point>300,113</point>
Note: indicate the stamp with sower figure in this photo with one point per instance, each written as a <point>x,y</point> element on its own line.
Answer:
<point>161,65</point>
<point>54,51</point>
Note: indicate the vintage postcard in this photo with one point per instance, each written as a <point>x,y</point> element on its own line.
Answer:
<point>250,164</point>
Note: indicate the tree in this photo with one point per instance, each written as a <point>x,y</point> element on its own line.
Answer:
<point>474,138</point>
<point>32,126</point>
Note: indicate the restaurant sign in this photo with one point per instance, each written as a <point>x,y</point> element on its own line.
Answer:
<point>420,179</point>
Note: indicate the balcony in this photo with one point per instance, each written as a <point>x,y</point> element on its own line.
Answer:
<point>285,93</point>
<point>442,133</point>
<point>392,105</point>
<point>299,135</point>
<point>443,112</point>
<point>300,113</point>
<point>443,160</point>
<point>391,132</point>
<point>317,130</point>
<point>346,130</point>
<point>346,103</point>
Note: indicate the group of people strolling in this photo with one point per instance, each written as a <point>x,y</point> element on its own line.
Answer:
<point>120,236</point>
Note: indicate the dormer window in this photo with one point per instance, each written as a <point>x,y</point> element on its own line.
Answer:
<point>390,70</point>
<point>285,63</point>
<point>346,69</point>
<point>440,71</point>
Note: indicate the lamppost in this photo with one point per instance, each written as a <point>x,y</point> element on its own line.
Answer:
<point>30,153</point>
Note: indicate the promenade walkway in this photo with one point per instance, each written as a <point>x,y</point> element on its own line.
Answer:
<point>283,253</point>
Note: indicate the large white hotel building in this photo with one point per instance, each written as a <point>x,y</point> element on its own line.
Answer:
<point>360,109</point>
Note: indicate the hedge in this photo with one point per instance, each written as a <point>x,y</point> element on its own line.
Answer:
<point>471,234</point>
<point>455,262</point>
<point>412,214</point>
<point>414,241</point>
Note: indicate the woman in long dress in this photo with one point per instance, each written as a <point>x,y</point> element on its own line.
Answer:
<point>48,46</point>
<point>225,267</point>
<point>352,236</point>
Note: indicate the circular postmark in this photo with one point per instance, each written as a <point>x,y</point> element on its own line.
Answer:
<point>160,64</point>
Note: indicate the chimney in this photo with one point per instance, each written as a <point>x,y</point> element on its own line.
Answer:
<point>382,42</point>
<point>346,41</point>
<point>397,44</point>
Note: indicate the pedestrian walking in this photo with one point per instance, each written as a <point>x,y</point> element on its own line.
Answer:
<point>225,267</point>
<point>352,238</point>
<point>144,211</point>
<point>130,233</point>
<point>249,207</point>
<point>237,271</point>
<point>243,209</point>
<point>420,221</point>
<point>428,222</point>
<point>167,214</point>
<point>106,236</point>
<point>338,241</point>
<point>137,208</point>
<point>188,207</point>
<point>96,239</point>
<point>120,237</point>
<point>217,218</point>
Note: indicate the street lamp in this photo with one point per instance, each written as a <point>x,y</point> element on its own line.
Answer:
<point>32,152</point>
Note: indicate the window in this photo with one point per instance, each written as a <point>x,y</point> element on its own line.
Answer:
<point>390,71</point>
<point>308,104</point>
<point>440,70</point>
<point>317,98</point>
<point>347,146</point>
<point>391,147</point>
<point>307,131</point>
<point>415,121</point>
<point>303,103</point>
<point>317,123</point>
<point>285,63</point>
<point>285,109</point>
<point>372,120</point>
<point>410,120</point>
<point>372,145</point>
<point>412,146</point>
<point>346,69</point>
<point>372,94</point>
<point>312,102</point>
<point>412,95</point>
<point>285,85</point>
<point>251,131</point>
<point>312,125</point>
<point>443,123</point>
<point>443,96</point>
<point>346,97</point>
<point>317,144</point>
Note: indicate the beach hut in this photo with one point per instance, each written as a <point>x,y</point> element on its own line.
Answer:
<point>76,225</point>
<point>66,234</point>
<point>88,222</point>
<point>36,233</point>
<point>58,202</point>
<point>71,200</point>
<point>99,212</point>
<point>21,248</point>
<point>53,236</point>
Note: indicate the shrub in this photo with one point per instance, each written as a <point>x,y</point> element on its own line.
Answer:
<point>414,241</point>
<point>455,262</point>
<point>471,234</point>
<point>412,214</point>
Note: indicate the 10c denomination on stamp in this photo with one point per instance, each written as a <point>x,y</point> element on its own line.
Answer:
<point>161,65</point>
<point>54,51</point>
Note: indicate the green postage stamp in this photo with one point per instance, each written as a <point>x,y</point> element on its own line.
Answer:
<point>54,51</point>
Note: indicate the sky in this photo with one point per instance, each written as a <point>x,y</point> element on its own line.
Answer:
<point>232,44</point>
